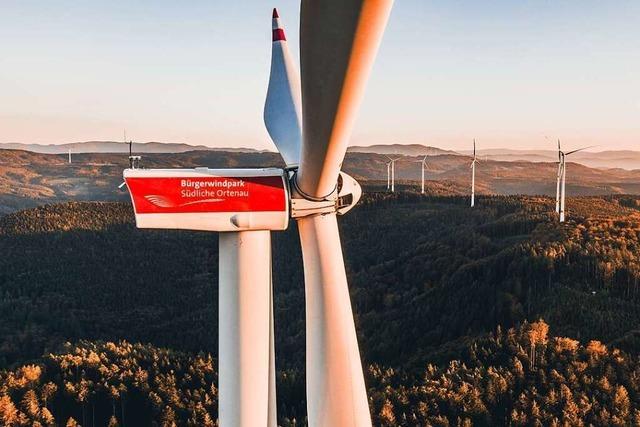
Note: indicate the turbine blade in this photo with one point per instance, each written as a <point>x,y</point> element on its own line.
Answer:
<point>283,106</point>
<point>335,383</point>
<point>338,44</point>
<point>580,149</point>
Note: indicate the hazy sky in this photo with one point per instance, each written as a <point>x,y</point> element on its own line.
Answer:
<point>506,72</point>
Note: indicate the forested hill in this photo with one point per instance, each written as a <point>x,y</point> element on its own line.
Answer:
<point>431,282</point>
<point>516,377</point>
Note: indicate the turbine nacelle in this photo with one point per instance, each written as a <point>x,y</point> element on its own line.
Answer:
<point>229,199</point>
<point>210,199</point>
<point>342,199</point>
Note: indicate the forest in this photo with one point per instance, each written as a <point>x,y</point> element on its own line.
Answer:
<point>496,315</point>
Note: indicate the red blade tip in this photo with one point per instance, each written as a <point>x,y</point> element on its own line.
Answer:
<point>275,13</point>
<point>278,35</point>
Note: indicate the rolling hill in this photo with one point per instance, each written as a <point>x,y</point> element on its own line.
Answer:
<point>608,159</point>
<point>115,147</point>
<point>30,179</point>
<point>401,149</point>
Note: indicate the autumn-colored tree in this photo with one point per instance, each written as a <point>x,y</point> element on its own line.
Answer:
<point>30,404</point>
<point>168,417</point>
<point>8,411</point>
<point>387,417</point>
<point>113,422</point>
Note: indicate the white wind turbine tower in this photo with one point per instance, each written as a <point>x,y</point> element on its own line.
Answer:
<point>561,184</point>
<point>388,175</point>
<point>423,165</point>
<point>339,40</point>
<point>559,177</point>
<point>473,175</point>
<point>391,172</point>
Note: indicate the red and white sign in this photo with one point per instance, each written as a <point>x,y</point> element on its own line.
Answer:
<point>207,199</point>
<point>208,194</point>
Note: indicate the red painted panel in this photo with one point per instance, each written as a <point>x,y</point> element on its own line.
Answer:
<point>278,35</point>
<point>207,194</point>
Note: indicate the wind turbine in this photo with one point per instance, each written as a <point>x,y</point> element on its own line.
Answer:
<point>388,175</point>
<point>423,165</point>
<point>561,184</point>
<point>336,60</point>
<point>134,161</point>
<point>391,164</point>
<point>473,175</point>
<point>559,176</point>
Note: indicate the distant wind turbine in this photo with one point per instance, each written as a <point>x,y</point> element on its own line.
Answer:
<point>423,165</point>
<point>69,155</point>
<point>388,175</point>
<point>559,177</point>
<point>473,175</point>
<point>134,161</point>
<point>562,179</point>
<point>391,173</point>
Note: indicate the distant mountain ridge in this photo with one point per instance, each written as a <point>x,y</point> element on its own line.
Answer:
<point>118,147</point>
<point>29,179</point>
<point>623,159</point>
<point>608,159</point>
<point>402,149</point>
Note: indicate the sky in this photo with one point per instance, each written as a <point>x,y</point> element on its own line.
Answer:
<point>512,74</point>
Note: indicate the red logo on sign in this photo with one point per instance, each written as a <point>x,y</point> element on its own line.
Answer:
<point>207,194</point>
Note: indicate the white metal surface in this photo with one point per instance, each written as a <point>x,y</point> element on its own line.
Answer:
<point>388,175</point>
<point>473,183</point>
<point>338,44</point>
<point>336,393</point>
<point>393,176</point>
<point>245,319</point>
<point>423,164</point>
<point>563,189</point>
<point>213,221</point>
<point>272,417</point>
<point>558,176</point>
<point>473,175</point>
<point>283,108</point>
